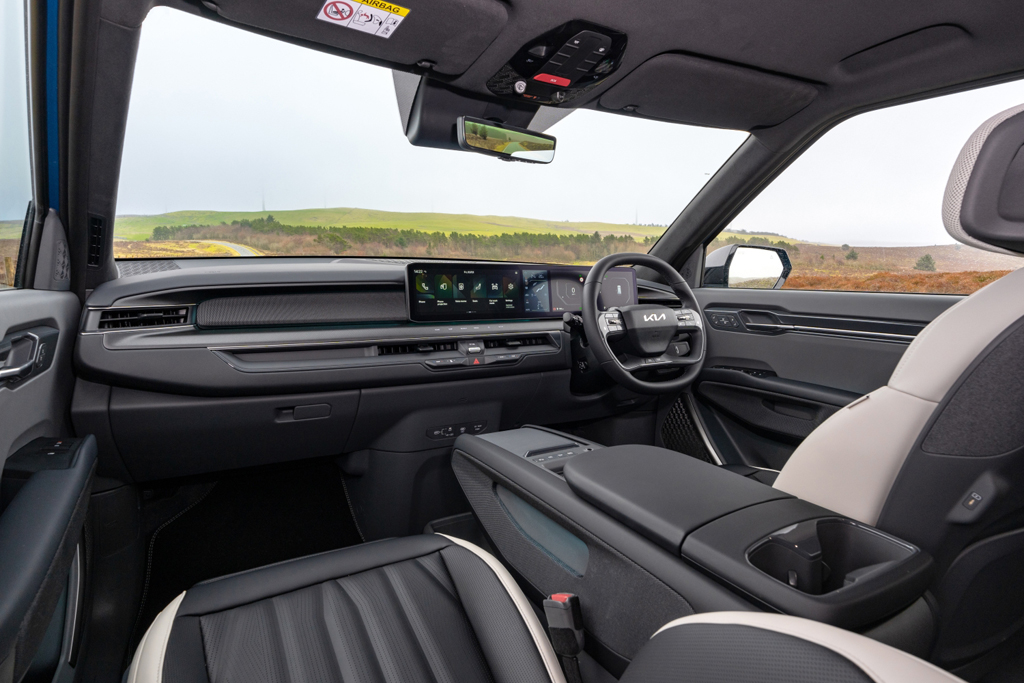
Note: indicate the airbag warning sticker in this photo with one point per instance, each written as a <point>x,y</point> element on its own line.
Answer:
<point>370,16</point>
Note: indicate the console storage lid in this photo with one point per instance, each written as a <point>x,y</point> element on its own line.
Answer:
<point>661,494</point>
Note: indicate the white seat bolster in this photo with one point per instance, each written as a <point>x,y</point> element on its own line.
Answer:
<point>148,663</point>
<point>881,663</point>
<point>533,625</point>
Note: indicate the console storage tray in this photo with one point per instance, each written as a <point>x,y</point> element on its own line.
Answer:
<point>802,560</point>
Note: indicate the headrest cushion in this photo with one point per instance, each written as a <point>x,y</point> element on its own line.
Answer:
<point>984,202</point>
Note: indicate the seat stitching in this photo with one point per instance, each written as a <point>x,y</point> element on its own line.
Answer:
<point>453,591</point>
<point>402,598</point>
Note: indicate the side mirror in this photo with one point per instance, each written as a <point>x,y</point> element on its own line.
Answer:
<point>505,142</point>
<point>747,267</point>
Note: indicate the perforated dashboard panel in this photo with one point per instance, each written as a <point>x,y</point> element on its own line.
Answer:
<point>317,308</point>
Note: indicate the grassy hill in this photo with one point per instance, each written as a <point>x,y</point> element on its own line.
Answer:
<point>141,227</point>
<point>10,230</point>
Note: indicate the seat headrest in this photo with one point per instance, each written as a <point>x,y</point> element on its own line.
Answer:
<point>984,202</point>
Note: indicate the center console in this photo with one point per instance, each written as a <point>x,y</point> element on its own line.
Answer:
<point>678,535</point>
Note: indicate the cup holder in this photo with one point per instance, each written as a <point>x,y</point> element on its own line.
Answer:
<point>820,556</point>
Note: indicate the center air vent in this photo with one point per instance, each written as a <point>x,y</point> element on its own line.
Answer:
<point>120,318</point>
<point>514,342</point>
<point>424,347</point>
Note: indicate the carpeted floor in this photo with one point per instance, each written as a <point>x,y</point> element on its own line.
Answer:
<point>248,520</point>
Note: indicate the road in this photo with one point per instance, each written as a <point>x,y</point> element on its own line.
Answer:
<point>237,248</point>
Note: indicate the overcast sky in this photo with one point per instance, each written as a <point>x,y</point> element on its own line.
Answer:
<point>15,171</point>
<point>878,178</point>
<point>224,119</point>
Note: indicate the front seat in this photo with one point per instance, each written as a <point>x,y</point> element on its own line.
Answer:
<point>441,610</point>
<point>936,457</point>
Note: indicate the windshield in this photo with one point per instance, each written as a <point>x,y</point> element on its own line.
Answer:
<point>238,144</point>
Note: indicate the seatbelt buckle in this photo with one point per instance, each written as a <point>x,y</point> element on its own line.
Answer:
<point>565,623</point>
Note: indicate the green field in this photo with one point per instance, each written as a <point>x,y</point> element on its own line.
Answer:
<point>10,230</point>
<point>141,227</point>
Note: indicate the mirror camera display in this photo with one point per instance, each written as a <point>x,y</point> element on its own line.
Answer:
<point>477,135</point>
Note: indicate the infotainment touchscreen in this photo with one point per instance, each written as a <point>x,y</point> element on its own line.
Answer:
<point>491,291</point>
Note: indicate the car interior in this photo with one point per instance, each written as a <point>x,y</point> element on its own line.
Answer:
<point>656,462</point>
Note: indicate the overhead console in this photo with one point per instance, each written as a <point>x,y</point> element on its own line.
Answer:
<point>561,65</point>
<point>494,291</point>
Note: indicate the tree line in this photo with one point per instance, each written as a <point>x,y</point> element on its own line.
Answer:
<point>270,236</point>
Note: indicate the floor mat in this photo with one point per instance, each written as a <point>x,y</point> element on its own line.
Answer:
<point>248,520</point>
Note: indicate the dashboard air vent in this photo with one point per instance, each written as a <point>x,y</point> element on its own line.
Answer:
<point>120,318</point>
<point>649,295</point>
<point>514,342</point>
<point>423,347</point>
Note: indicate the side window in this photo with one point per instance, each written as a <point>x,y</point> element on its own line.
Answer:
<point>15,164</point>
<point>861,210</point>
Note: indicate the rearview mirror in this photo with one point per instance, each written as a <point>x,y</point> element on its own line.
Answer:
<point>505,142</point>
<point>747,267</point>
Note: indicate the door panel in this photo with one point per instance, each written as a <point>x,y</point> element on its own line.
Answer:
<point>44,491</point>
<point>780,362</point>
<point>38,404</point>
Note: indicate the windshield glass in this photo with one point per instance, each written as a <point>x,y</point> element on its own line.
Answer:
<point>238,144</point>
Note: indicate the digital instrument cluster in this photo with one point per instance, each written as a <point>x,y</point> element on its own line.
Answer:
<point>490,291</point>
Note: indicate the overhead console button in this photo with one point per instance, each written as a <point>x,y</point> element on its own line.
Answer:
<point>552,80</point>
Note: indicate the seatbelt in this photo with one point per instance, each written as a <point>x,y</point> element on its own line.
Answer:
<point>565,628</point>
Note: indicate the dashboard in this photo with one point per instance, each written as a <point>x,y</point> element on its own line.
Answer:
<point>454,292</point>
<point>326,353</point>
<point>205,327</point>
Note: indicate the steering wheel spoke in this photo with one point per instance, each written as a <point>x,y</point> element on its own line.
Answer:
<point>610,323</point>
<point>689,320</point>
<point>631,363</point>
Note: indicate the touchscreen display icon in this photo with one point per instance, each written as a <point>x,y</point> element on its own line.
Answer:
<point>443,287</point>
<point>424,285</point>
<point>461,286</point>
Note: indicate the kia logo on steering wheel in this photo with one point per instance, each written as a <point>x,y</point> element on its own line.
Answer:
<point>651,317</point>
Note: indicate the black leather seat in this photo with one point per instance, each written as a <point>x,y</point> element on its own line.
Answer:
<point>438,609</point>
<point>423,608</point>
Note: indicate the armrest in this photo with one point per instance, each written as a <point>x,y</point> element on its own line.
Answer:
<point>661,494</point>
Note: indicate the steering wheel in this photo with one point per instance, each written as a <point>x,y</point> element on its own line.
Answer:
<point>640,336</point>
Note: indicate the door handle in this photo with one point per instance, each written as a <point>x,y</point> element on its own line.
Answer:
<point>25,369</point>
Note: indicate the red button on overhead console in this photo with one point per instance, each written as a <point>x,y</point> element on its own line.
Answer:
<point>552,80</point>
